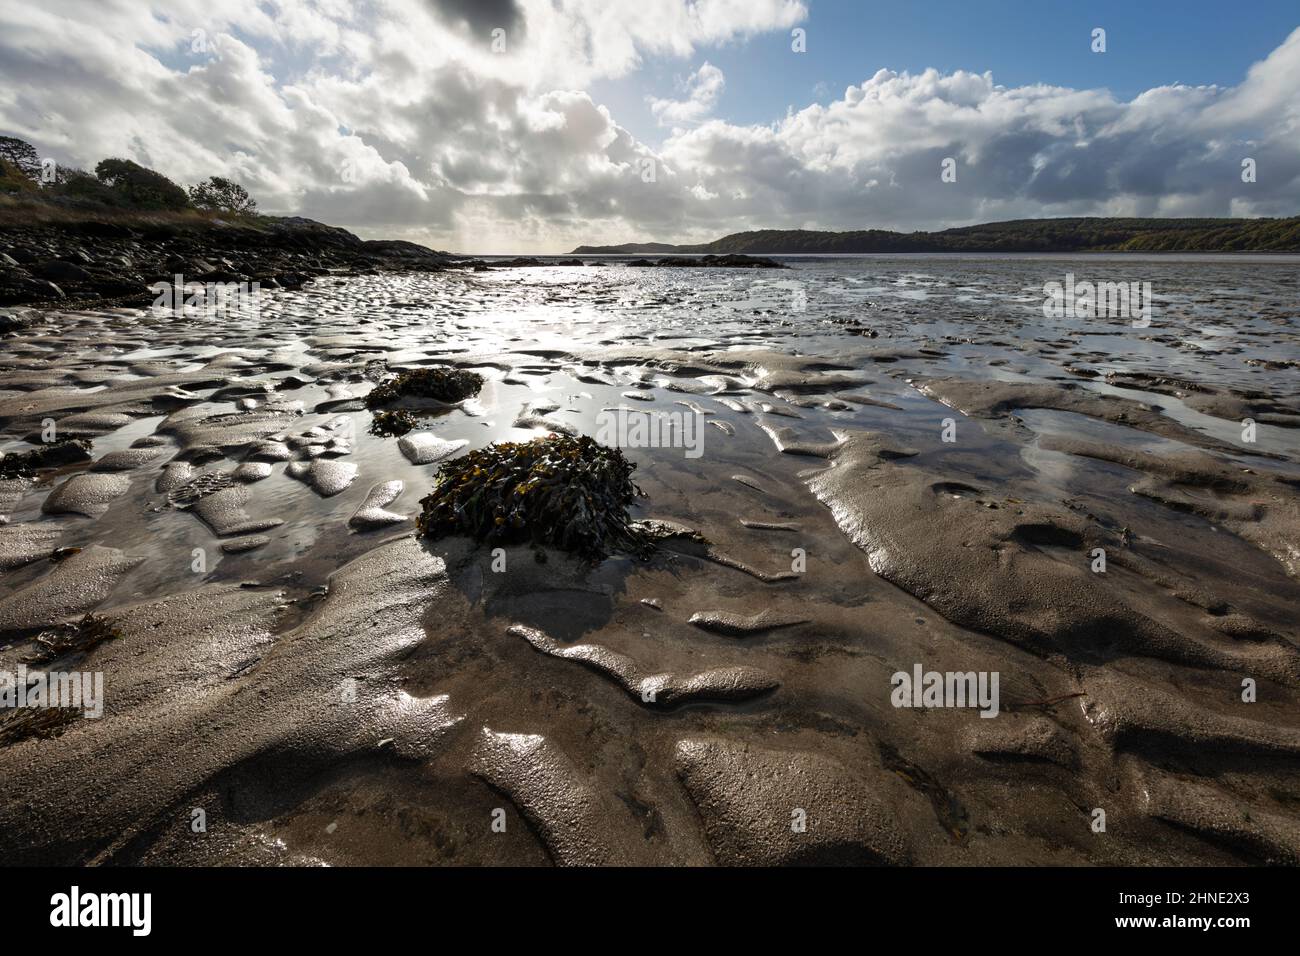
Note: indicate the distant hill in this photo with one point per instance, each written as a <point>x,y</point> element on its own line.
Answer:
<point>1018,235</point>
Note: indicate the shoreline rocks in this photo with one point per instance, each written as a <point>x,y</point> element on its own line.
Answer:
<point>101,262</point>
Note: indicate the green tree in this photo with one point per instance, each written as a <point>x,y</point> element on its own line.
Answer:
<point>137,186</point>
<point>22,156</point>
<point>13,181</point>
<point>80,184</point>
<point>222,195</point>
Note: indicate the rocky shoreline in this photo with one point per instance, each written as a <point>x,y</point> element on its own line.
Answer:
<point>102,262</point>
<point>95,263</point>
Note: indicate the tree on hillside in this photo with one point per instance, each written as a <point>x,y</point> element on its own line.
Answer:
<point>222,195</point>
<point>79,184</point>
<point>12,180</point>
<point>22,156</point>
<point>137,186</point>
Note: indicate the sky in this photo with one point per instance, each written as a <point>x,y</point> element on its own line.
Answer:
<point>533,126</point>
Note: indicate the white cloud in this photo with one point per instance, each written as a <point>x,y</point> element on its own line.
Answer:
<point>702,91</point>
<point>396,118</point>
<point>872,158</point>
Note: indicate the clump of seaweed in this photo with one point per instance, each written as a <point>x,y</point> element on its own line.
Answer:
<point>198,488</point>
<point>46,723</point>
<point>80,638</point>
<point>568,492</point>
<point>53,455</point>
<point>442,384</point>
<point>386,424</point>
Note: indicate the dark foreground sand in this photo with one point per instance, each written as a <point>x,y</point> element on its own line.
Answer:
<point>327,688</point>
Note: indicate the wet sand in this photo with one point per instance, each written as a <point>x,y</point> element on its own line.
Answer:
<point>329,689</point>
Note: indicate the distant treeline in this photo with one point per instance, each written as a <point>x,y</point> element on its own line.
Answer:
<point>1019,235</point>
<point>115,184</point>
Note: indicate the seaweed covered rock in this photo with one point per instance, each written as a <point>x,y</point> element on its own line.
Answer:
<point>388,423</point>
<point>79,638</point>
<point>560,490</point>
<point>53,455</point>
<point>441,384</point>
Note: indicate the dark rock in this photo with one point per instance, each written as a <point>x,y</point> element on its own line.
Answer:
<point>53,455</point>
<point>711,262</point>
<point>18,287</point>
<point>19,320</point>
<point>59,270</point>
